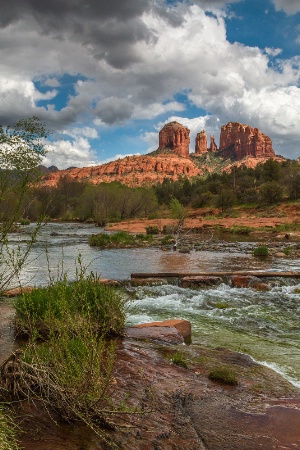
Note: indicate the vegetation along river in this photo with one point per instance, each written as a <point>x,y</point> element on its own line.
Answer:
<point>264,325</point>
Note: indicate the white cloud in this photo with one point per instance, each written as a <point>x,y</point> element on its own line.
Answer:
<point>66,153</point>
<point>155,109</point>
<point>118,156</point>
<point>134,61</point>
<point>288,6</point>
<point>273,51</point>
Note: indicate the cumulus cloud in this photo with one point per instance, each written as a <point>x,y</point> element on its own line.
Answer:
<point>69,153</point>
<point>128,62</point>
<point>288,6</point>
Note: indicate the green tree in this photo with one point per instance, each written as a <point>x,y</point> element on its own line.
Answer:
<point>21,152</point>
<point>270,192</point>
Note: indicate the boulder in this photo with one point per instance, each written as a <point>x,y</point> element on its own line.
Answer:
<point>182,326</point>
<point>15,292</point>
<point>158,333</point>
<point>242,281</point>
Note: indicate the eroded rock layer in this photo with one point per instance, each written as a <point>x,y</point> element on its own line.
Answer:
<point>239,141</point>
<point>176,137</point>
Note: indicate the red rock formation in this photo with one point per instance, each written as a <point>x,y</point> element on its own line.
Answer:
<point>132,171</point>
<point>201,143</point>
<point>175,137</point>
<point>213,145</point>
<point>239,140</point>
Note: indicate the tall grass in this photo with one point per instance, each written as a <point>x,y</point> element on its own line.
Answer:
<point>44,310</point>
<point>8,430</point>
<point>69,359</point>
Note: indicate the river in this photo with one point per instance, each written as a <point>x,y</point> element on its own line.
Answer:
<point>264,325</point>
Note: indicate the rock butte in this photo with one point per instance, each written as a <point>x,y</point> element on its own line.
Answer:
<point>241,143</point>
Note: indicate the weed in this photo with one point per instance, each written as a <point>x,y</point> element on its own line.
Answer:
<point>180,360</point>
<point>152,230</point>
<point>261,251</point>
<point>8,430</point>
<point>224,375</point>
<point>240,229</point>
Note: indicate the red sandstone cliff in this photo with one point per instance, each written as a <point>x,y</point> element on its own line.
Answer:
<point>239,140</point>
<point>132,171</point>
<point>175,136</point>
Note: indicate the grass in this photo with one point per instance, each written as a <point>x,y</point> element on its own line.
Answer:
<point>179,359</point>
<point>69,358</point>
<point>85,300</point>
<point>8,431</point>
<point>119,239</point>
<point>261,251</point>
<point>223,374</point>
<point>241,229</point>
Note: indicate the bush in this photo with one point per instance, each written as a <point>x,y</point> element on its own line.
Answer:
<point>261,251</point>
<point>240,229</point>
<point>152,230</point>
<point>83,301</point>
<point>224,375</point>
<point>118,239</point>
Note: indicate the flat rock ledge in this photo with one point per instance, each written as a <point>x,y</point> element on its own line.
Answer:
<point>173,331</point>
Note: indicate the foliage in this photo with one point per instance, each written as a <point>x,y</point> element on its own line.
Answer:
<point>153,229</point>
<point>240,229</point>
<point>180,360</point>
<point>261,250</point>
<point>8,430</point>
<point>223,374</point>
<point>84,301</point>
<point>118,239</point>
<point>21,151</point>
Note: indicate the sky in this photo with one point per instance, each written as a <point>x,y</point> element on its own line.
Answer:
<point>106,75</point>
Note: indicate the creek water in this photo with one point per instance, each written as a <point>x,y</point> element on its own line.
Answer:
<point>264,325</point>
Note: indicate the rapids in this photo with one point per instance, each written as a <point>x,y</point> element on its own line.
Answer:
<point>264,325</point>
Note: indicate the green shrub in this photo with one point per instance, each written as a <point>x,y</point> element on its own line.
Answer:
<point>180,360</point>
<point>166,240</point>
<point>152,229</point>
<point>24,222</point>
<point>118,239</point>
<point>261,251</point>
<point>85,300</point>
<point>224,375</point>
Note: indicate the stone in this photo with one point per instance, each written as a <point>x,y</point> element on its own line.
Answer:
<point>239,141</point>
<point>175,136</point>
<point>200,143</point>
<point>15,292</point>
<point>197,280</point>
<point>242,281</point>
<point>183,326</point>
<point>156,333</point>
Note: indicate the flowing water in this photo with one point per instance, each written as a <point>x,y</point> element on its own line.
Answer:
<point>264,325</point>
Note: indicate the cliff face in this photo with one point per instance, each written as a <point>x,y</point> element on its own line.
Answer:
<point>132,171</point>
<point>238,140</point>
<point>176,137</point>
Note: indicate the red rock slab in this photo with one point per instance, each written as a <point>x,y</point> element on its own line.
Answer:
<point>17,291</point>
<point>156,333</point>
<point>182,326</point>
<point>241,281</point>
<point>200,281</point>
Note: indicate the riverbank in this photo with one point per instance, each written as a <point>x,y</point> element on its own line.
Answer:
<point>184,409</point>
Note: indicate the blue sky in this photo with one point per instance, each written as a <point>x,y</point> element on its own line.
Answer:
<point>107,75</point>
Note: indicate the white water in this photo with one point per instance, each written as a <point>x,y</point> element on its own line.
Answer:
<point>264,325</point>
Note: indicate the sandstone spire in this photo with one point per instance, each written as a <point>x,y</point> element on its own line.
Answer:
<point>175,137</point>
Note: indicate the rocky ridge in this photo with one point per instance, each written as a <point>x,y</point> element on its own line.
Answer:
<point>239,145</point>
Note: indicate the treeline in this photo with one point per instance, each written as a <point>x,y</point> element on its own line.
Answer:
<point>73,200</point>
<point>266,184</point>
